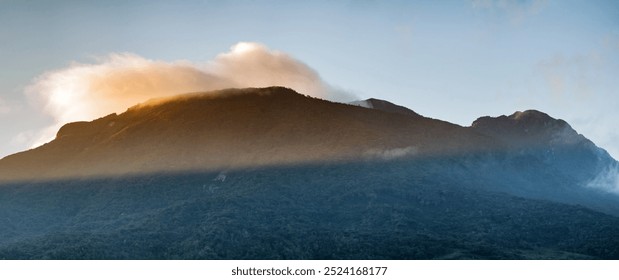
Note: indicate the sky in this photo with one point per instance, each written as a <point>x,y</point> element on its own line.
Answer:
<point>63,61</point>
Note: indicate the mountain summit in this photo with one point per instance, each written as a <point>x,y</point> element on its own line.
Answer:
<point>528,128</point>
<point>552,141</point>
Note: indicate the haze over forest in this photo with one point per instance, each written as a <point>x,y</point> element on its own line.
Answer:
<point>475,129</point>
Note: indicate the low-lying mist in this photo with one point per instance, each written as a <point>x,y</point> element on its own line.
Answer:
<point>607,180</point>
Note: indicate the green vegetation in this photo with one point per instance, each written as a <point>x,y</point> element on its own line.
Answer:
<point>407,209</point>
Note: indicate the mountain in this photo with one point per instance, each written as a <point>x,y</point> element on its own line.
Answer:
<point>537,156</point>
<point>272,174</point>
<point>529,128</point>
<point>551,140</point>
<point>232,129</point>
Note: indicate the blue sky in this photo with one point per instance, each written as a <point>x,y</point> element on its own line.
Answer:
<point>451,60</point>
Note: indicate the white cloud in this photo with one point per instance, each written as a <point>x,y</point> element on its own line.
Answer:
<point>253,64</point>
<point>390,154</point>
<point>607,180</point>
<point>118,81</point>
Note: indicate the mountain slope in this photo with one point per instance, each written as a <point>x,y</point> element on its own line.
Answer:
<point>552,141</point>
<point>402,209</point>
<point>538,157</point>
<point>231,129</point>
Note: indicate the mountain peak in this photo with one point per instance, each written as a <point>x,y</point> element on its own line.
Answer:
<point>531,115</point>
<point>526,118</point>
<point>528,128</point>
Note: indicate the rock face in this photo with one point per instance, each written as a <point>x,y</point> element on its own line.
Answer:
<point>236,128</point>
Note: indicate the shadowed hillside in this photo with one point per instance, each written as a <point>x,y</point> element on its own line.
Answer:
<point>402,209</point>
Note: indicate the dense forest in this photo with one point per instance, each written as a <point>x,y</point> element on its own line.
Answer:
<point>432,208</point>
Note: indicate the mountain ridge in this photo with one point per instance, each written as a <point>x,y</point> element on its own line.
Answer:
<point>385,106</point>
<point>240,128</point>
<point>235,128</point>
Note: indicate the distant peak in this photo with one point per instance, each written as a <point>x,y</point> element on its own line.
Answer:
<point>527,117</point>
<point>530,127</point>
<point>530,115</point>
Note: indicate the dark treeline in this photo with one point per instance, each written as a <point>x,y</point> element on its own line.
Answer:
<point>449,208</point>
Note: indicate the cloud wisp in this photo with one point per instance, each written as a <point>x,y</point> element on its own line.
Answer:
<point>390,154</point>
<point>121,80</point>
<point>607,181</point>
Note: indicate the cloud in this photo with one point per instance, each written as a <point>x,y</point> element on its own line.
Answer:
<point>252,64</point>
<point>87,91</point>
<point>607,181</point>
<point>121,80</point>
<point>390,154</point>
